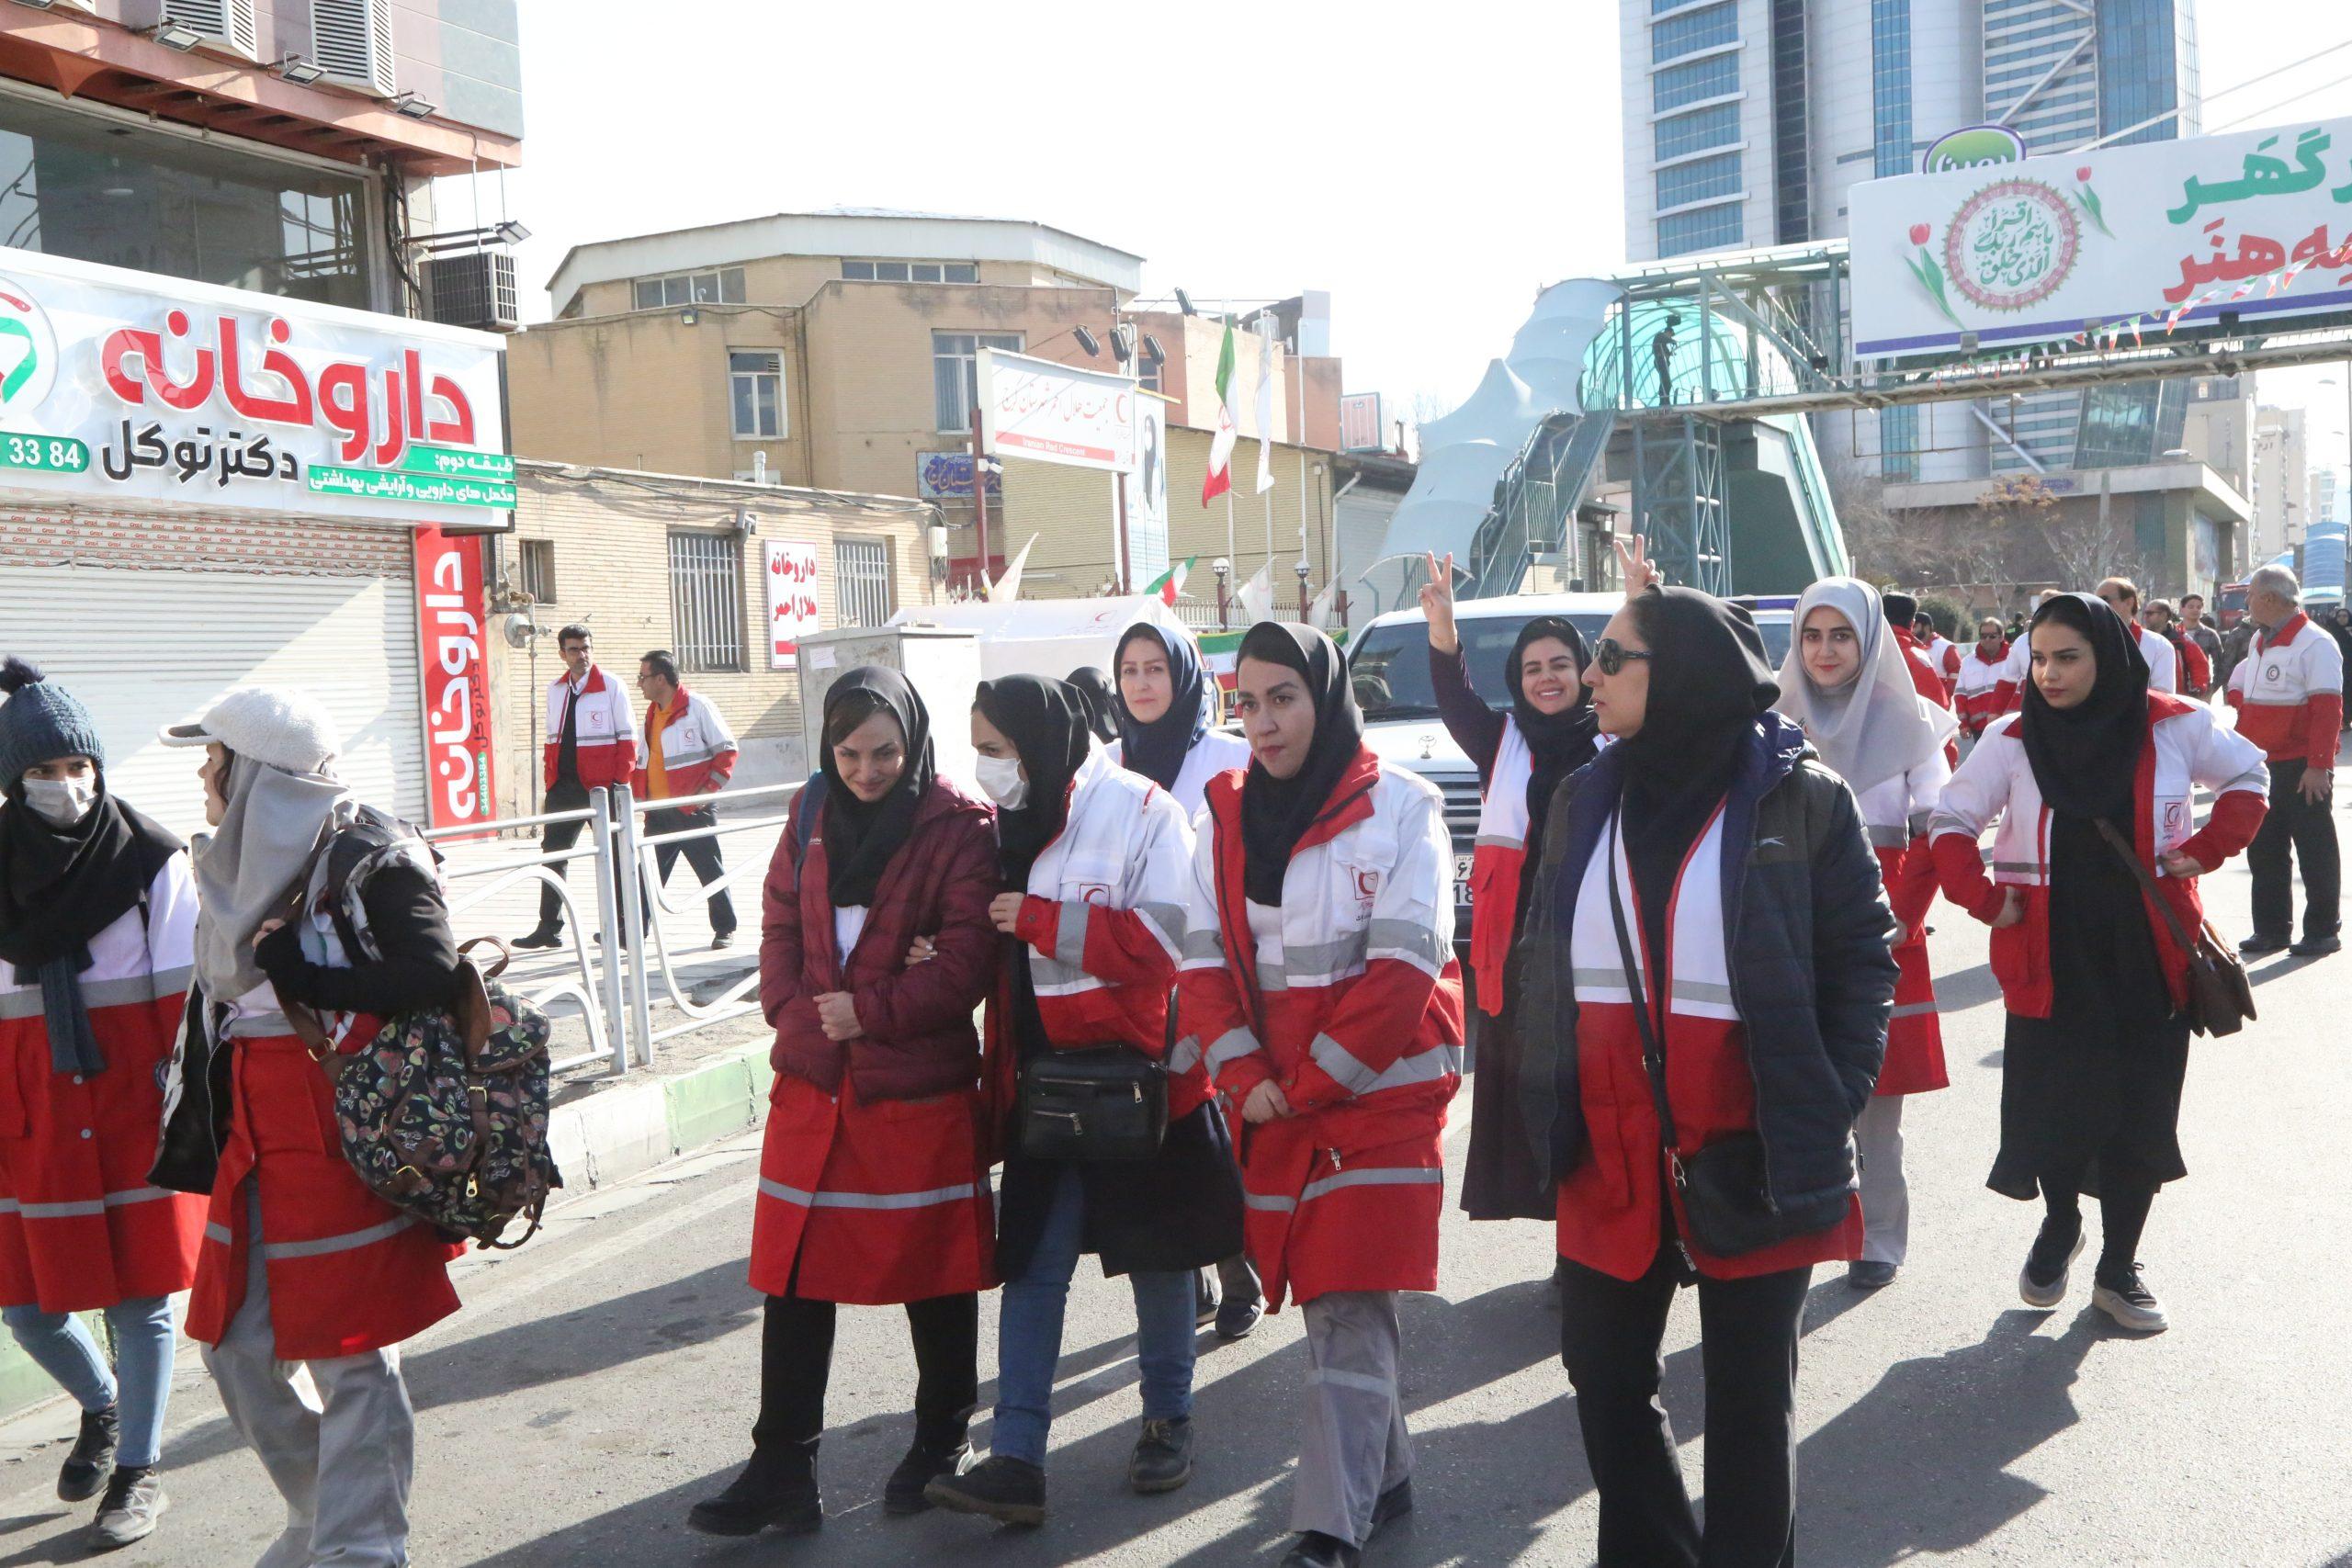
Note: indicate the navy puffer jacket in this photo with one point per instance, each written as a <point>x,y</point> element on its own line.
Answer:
<point>1811,970</point>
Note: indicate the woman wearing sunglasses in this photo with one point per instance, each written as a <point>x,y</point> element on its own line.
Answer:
<point>1522,755</point>
<point>1704,986</point>
<point>1848,683</point>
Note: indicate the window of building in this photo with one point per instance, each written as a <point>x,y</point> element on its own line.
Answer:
<point>1694,30</point>
<point>1899,445</point>
<point>535,565</point>
<point>1710,78</point>
<point>1697,181</point>
<point>1701,228</point>
<point>721,285</point>
<point>1714,126</point>
<point>910,272</point>
<point>1791,158</point>
<point>953,369</point>
<point>755,389</point>
<point>862,581</point>
<point>707,601</point>
<point>1147,373</point>
<point>1891,86</point>
<point>119,192</point>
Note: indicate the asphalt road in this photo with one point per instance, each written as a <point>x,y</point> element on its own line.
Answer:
<point>602,1379</point>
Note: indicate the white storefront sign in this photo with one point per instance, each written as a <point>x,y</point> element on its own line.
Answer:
<point>119,385</point>
<point>2118,243</point>
<point>1034,408</point>
<point>792,598</point>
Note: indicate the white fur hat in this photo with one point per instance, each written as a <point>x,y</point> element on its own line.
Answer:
<point>285,729</point>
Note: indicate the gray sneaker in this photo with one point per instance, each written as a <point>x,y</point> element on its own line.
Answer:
<point>2042,1280</point>
<point>134,1501</point>
<point>2127,1299</point>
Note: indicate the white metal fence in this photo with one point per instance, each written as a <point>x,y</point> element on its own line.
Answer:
<point>612,988</point>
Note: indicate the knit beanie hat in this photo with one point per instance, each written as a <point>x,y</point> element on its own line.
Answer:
<point>40,722</point>
<point>283,727</point>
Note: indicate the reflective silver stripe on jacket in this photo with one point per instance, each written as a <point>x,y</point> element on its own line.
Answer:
<point>1185,1056</point>
<point>1202,950</point>
<point>937,1195</point>
<point>82,1207</point>
<point>1420,1066</point>
<point>96,994</point>
<point>1361,1381</point>
<point>349,1241</point>
<point>1232,1043</point>
<point>1609,985</point>
<point>1070,933</point>
<point>1167,922</point>
<point>1374,1175</point>
<point>1912,1010</point>
<point>1889,838</point>
<point>1417,945</point>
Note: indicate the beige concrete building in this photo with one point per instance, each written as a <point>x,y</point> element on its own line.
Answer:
<point>650,561</point>
<point>835,351</point>
<point>2282,482</point>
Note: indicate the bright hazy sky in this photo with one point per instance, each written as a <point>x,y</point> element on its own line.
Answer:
<point>1432,174</point>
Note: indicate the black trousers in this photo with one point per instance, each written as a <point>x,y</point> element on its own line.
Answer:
<point>2310,828</point>
<point>570,795</point>
<point>796,1359</point>
<point>702,854</point>
<point>1610,1335</point>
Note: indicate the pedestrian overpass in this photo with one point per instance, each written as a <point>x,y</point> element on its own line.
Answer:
<point>1685,385</point>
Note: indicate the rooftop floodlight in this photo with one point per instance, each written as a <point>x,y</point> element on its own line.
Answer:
<point>174,37</point>
<point>409,104</point>
<point>1086,341</point>
<point>298,70</point>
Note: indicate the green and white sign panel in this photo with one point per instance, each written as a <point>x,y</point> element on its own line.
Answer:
<point>2119,244</point>
<point>119,385</point>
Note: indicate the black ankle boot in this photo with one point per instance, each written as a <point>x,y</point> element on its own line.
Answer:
<point>774,1489</point>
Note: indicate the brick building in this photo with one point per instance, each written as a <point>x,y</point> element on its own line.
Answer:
<point>660,560</point>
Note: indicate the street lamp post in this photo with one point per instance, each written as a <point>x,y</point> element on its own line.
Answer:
<point>1301,569</point>
<point>1222,566</point>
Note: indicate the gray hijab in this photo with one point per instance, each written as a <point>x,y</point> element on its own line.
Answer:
<point>1876,727</point>
<point>246,868</point>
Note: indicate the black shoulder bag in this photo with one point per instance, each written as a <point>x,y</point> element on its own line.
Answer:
<point>1725,1198</point>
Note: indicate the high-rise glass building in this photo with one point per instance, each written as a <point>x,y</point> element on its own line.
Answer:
<point>1748,121</point>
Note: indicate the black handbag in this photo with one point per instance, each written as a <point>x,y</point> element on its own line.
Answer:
<point>1091,1103</point>
<point>1725,1198</point>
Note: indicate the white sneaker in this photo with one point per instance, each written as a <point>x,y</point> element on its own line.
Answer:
<point>2132,1305</point>
<point>2049,1293</point>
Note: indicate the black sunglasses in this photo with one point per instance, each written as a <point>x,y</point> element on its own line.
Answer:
<point>1610,656</point>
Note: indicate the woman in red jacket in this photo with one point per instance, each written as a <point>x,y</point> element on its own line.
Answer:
<point>873,1188</point>
<point>2097,1043</point>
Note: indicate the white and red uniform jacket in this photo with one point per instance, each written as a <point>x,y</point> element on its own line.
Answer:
<point>1215,752</point>
<point>699,750</point>
<point>1349,997</point>
<point>1498,863</point>
<point>1896,812</point>
<point>1978,696</point>
<point>2188,747</point>
<point>2289,690</point>
<point>1103,917</point>
<point>80,1224</point>
<point>606,730</point>
<point>2164,664</point>
<point>1943,657</point>
<point>1929,684</point>
<point>2016,673</point>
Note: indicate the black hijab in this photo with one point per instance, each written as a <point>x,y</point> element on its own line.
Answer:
<point>1276,813</point>
<point>1157,750</point>
<point>1709,683</point>
<point>1558,743</point>
<point>1047,721</point>
<point>1101,700</point>
<point>60,887</point>
<point>2086,757</point>
<point>860,838</point>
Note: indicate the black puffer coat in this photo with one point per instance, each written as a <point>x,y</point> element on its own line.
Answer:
<point>1812,971</point>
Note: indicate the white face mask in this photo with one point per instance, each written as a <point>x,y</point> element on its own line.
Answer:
<point>1001,778</point>
<point>61,802</point>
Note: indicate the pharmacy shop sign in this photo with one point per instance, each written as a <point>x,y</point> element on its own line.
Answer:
<point>119,385</point>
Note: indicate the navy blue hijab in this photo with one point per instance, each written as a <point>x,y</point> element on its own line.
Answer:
<point>1157,750</point>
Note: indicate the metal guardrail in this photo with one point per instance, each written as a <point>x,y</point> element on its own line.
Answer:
<point>608,976</point>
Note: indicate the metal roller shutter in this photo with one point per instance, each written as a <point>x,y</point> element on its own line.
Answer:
<point>147,648</point>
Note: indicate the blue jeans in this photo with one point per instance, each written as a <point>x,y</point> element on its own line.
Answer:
<point>1029,1333</point>
<point>62,1348</point>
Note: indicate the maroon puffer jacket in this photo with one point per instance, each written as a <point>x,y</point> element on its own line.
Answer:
<point>919,1037</point>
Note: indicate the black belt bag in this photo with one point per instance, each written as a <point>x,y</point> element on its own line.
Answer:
<point>1096,1102</point>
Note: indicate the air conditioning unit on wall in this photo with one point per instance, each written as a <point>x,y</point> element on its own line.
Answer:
<point>220,24</point>
<point>473,289</point>
<point>353,39</point>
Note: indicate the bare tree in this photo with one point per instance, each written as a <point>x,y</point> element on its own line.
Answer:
<point>2084,546</point>
<point>1882,547</point>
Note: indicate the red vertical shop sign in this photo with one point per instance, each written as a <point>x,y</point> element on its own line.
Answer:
<point>455,677</point>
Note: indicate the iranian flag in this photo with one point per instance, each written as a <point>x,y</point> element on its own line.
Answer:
<point>1170,584</point>
<point>1220,476</point>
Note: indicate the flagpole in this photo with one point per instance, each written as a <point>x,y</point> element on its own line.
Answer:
<point>1270,524</point>
<point>1230,553</point>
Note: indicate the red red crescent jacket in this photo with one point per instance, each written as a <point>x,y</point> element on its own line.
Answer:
<point>1927,683</point>
<point>2188,747</point>
<point>606,733</point>
<point>2289,690</point>
<point>1351,1000</point>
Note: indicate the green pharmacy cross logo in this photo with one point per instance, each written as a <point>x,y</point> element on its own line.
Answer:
<point>28,351</point>
<point>2012,245</point>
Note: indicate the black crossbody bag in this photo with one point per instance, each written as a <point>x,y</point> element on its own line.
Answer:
<point>1091,1103</point>
<point>1725,1199</point>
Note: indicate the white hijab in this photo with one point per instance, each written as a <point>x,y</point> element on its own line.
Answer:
<point>1876,727</point>
<point>246,868</point>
